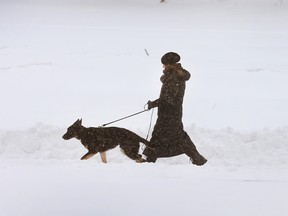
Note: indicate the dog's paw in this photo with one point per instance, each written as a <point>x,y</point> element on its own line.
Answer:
<point>140,160</point>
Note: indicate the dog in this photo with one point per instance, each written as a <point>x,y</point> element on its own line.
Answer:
<point>103,139</point>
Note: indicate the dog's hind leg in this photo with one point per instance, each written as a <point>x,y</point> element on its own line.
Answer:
<point>88,155</point>
<point>103,157</point>
<point>131,151</point>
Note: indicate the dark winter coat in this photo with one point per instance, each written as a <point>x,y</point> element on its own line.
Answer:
<point>168,131</point>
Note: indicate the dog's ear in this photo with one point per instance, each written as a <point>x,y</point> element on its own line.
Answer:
<point>78,122</point>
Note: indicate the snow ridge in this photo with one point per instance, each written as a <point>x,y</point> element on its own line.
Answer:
<point>225,147</point>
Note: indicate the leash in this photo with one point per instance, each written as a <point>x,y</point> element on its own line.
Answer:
<point>150,124</point>
<point>126,117</point>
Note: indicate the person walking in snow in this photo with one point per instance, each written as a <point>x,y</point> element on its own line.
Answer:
<point>168,137</point>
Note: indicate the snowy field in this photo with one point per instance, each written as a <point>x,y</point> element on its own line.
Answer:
<point>61,60</point>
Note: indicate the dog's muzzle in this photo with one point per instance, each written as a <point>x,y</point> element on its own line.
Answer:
<point>66,137</point>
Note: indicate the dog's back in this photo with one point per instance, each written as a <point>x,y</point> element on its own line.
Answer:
<point>119,134</point>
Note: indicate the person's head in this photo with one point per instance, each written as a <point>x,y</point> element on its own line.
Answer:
<point>170,58</point>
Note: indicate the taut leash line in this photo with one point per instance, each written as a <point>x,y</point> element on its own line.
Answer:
<point>125,117</point>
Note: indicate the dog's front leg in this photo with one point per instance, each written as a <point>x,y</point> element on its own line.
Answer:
<point>88,155</point>
<point>103,157</point>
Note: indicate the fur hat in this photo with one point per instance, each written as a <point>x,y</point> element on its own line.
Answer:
<point>170,58</point>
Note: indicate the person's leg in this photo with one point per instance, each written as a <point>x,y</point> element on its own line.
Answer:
<point>151,152</point>
<point>150,155</point>
<point>151,159</point>
<point>191,151</point>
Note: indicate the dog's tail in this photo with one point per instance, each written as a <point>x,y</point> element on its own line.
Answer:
<point>146,142</point>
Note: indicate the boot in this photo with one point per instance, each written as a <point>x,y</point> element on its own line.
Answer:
<point>198,160</point>
<point>191,151</point>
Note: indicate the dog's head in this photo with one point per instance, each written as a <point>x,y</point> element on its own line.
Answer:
<point>73,130</point>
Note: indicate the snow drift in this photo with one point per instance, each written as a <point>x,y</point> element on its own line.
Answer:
<point>226,147</point>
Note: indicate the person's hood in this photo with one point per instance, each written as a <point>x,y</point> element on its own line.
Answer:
<point>181,72</point>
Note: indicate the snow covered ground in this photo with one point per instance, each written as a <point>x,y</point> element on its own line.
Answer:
<point>61,60</point>
<point>89,188</point>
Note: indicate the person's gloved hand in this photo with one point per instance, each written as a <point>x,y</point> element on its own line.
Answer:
<point>151,104</point>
